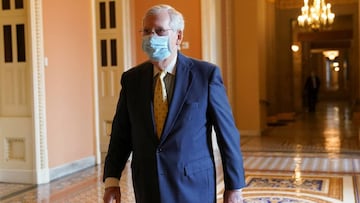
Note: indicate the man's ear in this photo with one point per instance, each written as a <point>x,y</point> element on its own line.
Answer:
<point>179,37</point>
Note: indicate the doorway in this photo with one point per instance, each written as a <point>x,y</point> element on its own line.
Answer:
<point>329,54</point>
<point>16,125</point>
<point>332,67</point>
<point>109,71</point>
<point>113,53</point>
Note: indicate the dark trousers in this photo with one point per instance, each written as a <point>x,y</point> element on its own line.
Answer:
<point>312,100</point>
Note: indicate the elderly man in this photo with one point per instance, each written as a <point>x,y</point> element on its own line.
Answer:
<point>167,109</point>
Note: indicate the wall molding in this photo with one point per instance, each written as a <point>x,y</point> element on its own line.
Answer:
<point>27,176</point>
<point>73,167</point>
<point>38,93</point>
<point>17,176</point>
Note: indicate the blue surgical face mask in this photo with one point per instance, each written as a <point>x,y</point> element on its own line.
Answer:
<point>156,47</point>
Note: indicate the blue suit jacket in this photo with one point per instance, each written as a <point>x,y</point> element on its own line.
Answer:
<point>180,166</point>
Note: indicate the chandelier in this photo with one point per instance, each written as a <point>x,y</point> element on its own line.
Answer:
<point>316,16</point>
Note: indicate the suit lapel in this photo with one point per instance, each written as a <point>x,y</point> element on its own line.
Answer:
<point>183,80</point>
<point>147,86</point>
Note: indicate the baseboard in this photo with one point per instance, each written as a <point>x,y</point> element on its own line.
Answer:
<point>72,167</point>
<point>39,177</point>
<point>16,176</point>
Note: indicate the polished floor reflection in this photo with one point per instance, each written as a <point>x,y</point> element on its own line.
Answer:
<point>329,130</point>
<point>313,159</point>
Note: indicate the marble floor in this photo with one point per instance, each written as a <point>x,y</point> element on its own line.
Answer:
<point>313,159</point>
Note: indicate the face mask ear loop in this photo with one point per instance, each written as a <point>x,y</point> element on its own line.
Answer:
<point>168,43</point>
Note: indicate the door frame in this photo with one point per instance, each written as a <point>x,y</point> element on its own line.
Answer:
<point>125,12</point>
<point>40,159</point>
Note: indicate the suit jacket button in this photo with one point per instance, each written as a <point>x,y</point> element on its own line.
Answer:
<point>159,150</point>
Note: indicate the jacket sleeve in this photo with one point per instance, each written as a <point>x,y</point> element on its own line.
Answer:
<point>120,145</point>
<point>227,134</point>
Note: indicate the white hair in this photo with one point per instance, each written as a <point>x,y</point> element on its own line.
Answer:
<point>176,18</point>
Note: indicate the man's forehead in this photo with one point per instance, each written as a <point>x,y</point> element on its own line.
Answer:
<point>159,19</point>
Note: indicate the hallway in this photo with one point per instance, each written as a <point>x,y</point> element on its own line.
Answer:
<point>314,159</point>
<point>330,130</point>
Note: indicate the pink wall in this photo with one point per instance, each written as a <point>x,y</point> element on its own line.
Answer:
<point>69,86</point>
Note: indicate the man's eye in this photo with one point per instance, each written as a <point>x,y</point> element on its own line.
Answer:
<point>145,31</point>
<point>160,31</point>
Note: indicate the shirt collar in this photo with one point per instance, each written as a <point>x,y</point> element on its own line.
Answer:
<point>169,69</point>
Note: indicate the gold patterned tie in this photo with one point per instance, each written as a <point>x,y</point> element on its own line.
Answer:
<point>160,103</point>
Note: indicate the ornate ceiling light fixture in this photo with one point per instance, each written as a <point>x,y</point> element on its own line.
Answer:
<point>316,16</point>
<point>331,54</point>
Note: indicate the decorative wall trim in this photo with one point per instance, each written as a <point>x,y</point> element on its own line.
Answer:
<point>211,31</point>
<point>296,4</point>
<point>38,85</point>
<point>27,176</point>
<point>227,22</point>
<point>72,167</point>
<point>17,176</point>
<point>96,84</point>
<point>15,149</point>
<point>129,51</point>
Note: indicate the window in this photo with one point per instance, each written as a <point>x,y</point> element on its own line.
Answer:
<point>20,37</point>
<point>8,44</point>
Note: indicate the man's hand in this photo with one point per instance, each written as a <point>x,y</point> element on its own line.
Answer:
<point>112,193</point>
<point>233,196</point>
